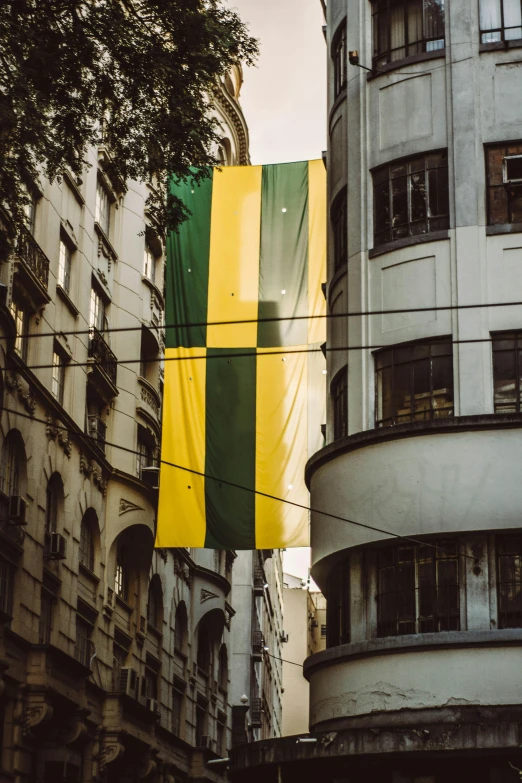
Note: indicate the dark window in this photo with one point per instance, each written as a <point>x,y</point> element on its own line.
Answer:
<point>223,668</point>
<point>82,649</point>
<point>7,572</point>
<point>323,631</point>
<point>204,657</point>
<point>45,623</point>
<point>155,603</point>
<point>10,467</point>
<point>201,721</point>
<point>146,450</point>
<point>500,20</point>
<point>339,394</point>
<point>87,540</point>
<point>414,382</point>
<point>340,61</point>
<point>54,496</point>
<point>507,371</point>
<point>403,28</point>
<point>149,687</point>
<point>221,734</point>
<point>180,628</point>
<point>338,607</point>
<point>504,184</point>
<point>120,577</point>
<point>418,589</point>
<point>340,230</point>
<point>178,696</point>
<point>410,198</point>
<point>509,554</point>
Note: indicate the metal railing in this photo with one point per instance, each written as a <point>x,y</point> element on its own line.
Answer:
<point>100,351</point>
<point>32,255</point>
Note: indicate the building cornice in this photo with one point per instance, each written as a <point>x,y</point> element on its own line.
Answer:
<point>233,111</point>
<point>455,424</point>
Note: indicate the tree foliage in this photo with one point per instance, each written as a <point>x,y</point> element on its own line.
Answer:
<point>138,71</point>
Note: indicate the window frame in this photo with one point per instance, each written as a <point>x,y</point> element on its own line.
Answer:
<point>65,255</point>
<point>517,552</point>
<point>384,57</point>
<point>149,263</point>
<point>45,622</point>
<point>485,34</point>
<point>87,544</point>
<point>83,642</point>
<point>11,468</point>
<point>7,580</point>
<point>516,351</point>
<point>500,192</point>
<point>415,414</point>
<point>101,216</point>
<point>340,60</point>
<point>339,397</point>
<point>339,222</point>
<point>386,195</point>
<point>59,363</point>
<point>21,316</point>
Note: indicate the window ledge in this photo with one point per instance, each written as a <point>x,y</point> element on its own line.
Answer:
<point>123,604</point>
<point>504,228</point>
<point>502,46</point>
<point>419,239</point>
<point>155,289</point>
<point>397,64</point>
<point>69,178</point>
<point>64,296</point>
<point>87,572</point>
<point>104,239</point>
<point>389,645</point>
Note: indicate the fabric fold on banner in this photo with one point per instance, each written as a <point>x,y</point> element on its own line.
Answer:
<point>236,410</point>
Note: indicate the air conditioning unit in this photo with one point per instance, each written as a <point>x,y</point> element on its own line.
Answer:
<point>205,742</point>
<point>512,169</point>
<point>17,510</point>
<point>153,706</point>
<point>57,546</point>
<point>128,683</point>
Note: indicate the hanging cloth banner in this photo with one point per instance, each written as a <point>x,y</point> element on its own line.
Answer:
<point>236,407</point>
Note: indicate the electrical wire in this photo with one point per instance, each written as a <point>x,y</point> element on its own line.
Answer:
<point>267,352</point>
<point>283,659</point>
<point>274,319</point>
<point>240,486</point>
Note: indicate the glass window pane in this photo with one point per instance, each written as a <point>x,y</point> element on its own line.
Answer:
<point>512,19</point>
<point>434,20</point>
<point>418,196</point>
<point>490,18</point>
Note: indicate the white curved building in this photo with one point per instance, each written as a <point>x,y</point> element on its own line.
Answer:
<point>421,677</point>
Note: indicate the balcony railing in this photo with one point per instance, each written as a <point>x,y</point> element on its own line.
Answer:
<point>100,351</point>
<point>32,255</point>
<point>98,430</point>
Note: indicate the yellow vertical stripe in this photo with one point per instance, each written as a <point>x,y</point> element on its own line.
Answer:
<point>281,449</point>
<point>316,249</point>
<point>234,256</point>
<point>181,510</point>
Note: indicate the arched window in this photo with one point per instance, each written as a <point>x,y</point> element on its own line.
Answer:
<point>54,496</point>
<point>155,603</point>
<point>223,668</point>
<point>13,453</point>
<point>87,539</point>
<point>120,577</point>
<point>180,627</point>
<point>205,650</point>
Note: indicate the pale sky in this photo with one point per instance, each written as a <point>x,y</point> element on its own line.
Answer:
<point>284,103</point>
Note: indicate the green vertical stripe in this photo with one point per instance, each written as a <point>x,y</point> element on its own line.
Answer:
<point>230,449</point>
<point>283,265</point>
<point>187,267</point>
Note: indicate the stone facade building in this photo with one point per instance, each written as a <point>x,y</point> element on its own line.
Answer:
<point>419,681</point>
<point>114,657</point>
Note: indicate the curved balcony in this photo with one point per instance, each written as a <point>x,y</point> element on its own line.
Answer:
<point>33,268</point>
<point>103,364</point>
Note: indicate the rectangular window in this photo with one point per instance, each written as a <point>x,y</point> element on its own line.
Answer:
<point>507,371</point>
<point>221,734</point>
<point>103,208</point>
<point>149,264</point>
<point>410,198</point>
<point>177,711</point>
<point>46,618</point>
<point>418,589</point>
<point>149,688</point>
<point>82,649</point>
<point>340,61</point>
<point>21,319</point>
<point>500,20</point>
<point>403,28</point>
<point>64,266</point>
<point>504,184</point>
<point>340,231</point>
<point>201,721</point>
<point>97,314</point>
<point>509,575</point>
<point>338,606</point>
<point>340,403</point>
<point>58,377</point>
<point>414,382</point>
<point>30,212</point>
<point>323,631</point>
<point>7,572</point>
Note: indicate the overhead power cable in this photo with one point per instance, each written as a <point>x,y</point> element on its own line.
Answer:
<point>247,352</point>
<point>238,486</point>
<point>274,319</point>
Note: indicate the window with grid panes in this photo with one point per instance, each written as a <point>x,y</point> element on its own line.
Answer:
<point>149,264</point>
<point>500,20</point>
<point>58,377</point>
<point>509,581</point>
<point>418,589</point>
<point>64,266</point>
<point>87,541</point>
<point>504,184</point>
<point>339,393</point>
<point>97,313</point>
<point>404,28</point>
<point>410,198</point>
<point>414,382</point>
<point>340,230</point>
<point>7,573</point>
<point>82,649</point>
<point>340,59</point>
<point>45,622</point>
<point>507,371</point>
<point>21,319</point>
<point>103,207</point>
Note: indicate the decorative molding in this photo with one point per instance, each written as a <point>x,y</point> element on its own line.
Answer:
<point>183,571</point>
<point>162,552</point>
<point>36,712</point>
<point>90,469</point>
<point>148,397</point>
<point>206,595</point>
<point>126,506</point>
<point>54,430</point>
<point>27,398</point>
<point>228,619</point>
<point>75,730</point>
<point>110,750</point>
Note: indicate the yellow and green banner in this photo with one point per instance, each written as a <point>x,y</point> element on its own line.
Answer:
<point>238,408</point>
